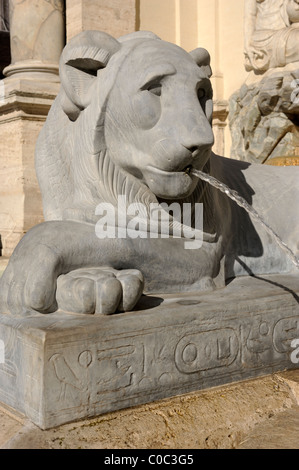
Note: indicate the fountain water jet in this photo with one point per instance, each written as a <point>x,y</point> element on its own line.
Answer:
<point>235,196</point>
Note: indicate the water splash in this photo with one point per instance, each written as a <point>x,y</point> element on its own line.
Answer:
<point>235,196</point>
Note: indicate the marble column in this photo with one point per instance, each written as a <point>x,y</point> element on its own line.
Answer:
<point>37,34</point>
<point>220,114</point>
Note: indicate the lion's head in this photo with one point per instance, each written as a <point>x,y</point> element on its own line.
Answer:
<point>132,116</point>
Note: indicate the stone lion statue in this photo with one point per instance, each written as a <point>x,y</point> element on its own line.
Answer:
<point>133,118</point>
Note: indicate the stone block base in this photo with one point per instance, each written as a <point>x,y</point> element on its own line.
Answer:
<point>61,367</point>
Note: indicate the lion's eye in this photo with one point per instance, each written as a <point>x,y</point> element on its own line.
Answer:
<point>155,89</point>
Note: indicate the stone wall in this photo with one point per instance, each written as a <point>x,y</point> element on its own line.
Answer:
<point>116,17</point>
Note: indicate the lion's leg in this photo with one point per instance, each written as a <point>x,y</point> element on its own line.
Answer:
<point>57,248</point>
<point>29,280</point>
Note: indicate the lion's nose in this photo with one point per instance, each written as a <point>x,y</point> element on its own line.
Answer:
<point>196,132</point>
<point>202,145</point>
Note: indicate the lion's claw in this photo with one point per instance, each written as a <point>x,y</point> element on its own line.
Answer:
<point>99,290</point>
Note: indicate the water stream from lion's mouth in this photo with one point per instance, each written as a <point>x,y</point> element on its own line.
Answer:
<point>235,196</point>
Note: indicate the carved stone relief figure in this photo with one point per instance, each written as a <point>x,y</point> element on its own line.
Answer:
<point>264,112</point>
<point>271,33</point>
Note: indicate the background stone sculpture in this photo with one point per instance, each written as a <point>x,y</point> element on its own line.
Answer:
<point>264,112</point>
<point>271,34</point>
<point>107,136</point>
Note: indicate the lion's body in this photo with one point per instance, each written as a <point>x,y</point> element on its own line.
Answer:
<point>131,117</point>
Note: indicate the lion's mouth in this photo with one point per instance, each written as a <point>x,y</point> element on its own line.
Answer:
<point>188,169</point>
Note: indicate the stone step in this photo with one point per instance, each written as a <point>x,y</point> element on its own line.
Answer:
<point>280,432</point>
<point>261,413</point>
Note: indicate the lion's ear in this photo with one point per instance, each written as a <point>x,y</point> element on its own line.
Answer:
<point>80,61</point>
<point>203,60</point>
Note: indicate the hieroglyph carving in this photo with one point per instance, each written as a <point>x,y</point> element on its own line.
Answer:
<point>139,362</point>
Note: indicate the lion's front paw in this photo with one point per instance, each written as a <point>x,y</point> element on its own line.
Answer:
<point>99,290</point>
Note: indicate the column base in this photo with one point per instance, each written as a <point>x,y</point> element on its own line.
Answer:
<point>33,70</point>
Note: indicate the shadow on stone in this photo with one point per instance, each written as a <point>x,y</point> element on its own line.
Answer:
<point>148,302</point>
<point>250,273</point>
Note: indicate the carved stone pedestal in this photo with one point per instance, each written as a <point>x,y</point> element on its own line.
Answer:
<point>62,367</point>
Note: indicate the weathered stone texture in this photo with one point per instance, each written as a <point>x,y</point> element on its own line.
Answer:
<point>116,17</point>
<point>60,368</point>
<point>263,118</point>
<point>22,115</point>
<point>264,112</point>
<point>36,30</point>
<point>20,200</point>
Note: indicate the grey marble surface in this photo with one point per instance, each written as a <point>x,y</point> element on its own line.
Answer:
<point>62,367</point>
